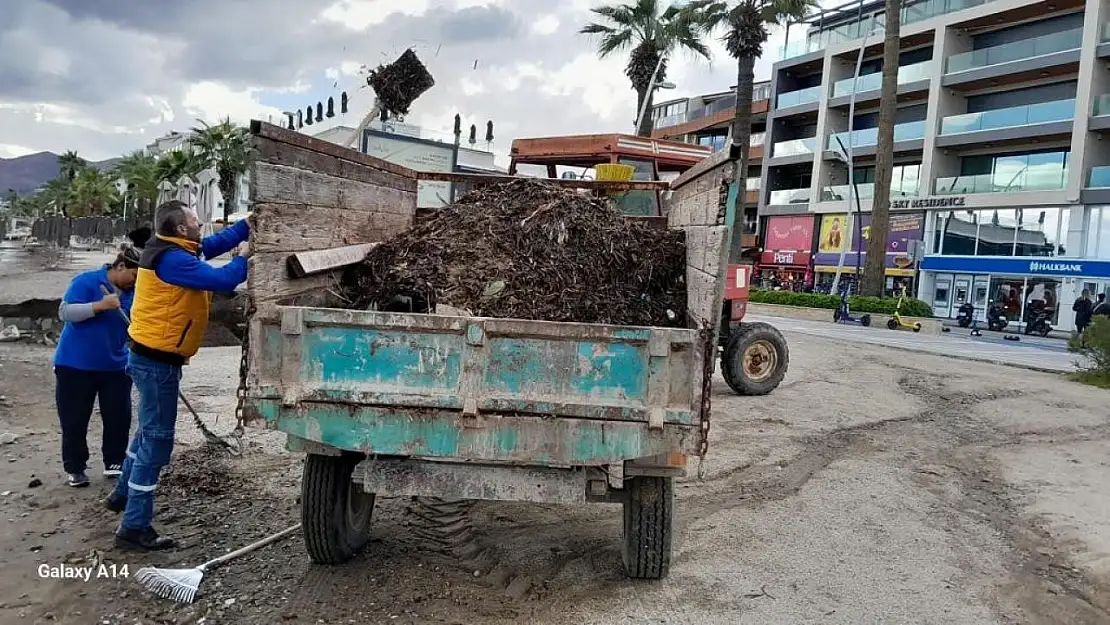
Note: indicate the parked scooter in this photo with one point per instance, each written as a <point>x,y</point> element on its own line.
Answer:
<point>843,313</point>
<point>1038,323</point>
<point>965,314</point>
<point>898,321</point>
<point>996,321</point>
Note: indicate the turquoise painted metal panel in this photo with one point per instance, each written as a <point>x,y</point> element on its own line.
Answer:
<point>438,434</point>
<point>590,369</point>
<point>348,356</point>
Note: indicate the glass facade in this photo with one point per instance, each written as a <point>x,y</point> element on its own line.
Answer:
<point>1002,232</point>
<point>1098,233</point>
<point>1038,171</point>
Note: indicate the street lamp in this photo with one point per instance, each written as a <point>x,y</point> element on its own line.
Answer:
<point>652,86</point>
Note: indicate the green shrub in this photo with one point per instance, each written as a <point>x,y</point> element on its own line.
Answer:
<point>858,304</point>
<point>1094,343</point>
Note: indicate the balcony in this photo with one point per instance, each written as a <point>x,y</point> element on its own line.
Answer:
<point>1102,105</point>
<point>1018,122</point>
<point>866,190</point>
<point>794,147</point>
<point>1016,51</point>
<point>759,92</point>
<point>799,97</point>
<point>874,82</point>
<point>753,183</point>
<point>1100,178</point>
<point>788,196</point>
<point>915,12</point>
<point>1025,179</point>
<point>870,136</point>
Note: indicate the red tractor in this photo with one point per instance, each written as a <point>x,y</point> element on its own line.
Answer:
<point>754,355</point>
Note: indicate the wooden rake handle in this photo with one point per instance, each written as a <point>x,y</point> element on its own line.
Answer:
<point>249,548</point>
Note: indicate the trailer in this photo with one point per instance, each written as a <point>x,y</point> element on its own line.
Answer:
<point>456,407</point>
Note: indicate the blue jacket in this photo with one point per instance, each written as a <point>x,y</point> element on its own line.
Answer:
<point>98,343</point>
<point>180,267</point>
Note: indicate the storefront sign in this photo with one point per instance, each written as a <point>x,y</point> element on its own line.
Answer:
<point>789,233</point>
<point>904,229</point>
<point>794,259</point>
<point>946,201</point>
<point>1019,266</point>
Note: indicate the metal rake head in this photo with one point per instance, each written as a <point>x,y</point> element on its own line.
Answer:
<point>178,584</point>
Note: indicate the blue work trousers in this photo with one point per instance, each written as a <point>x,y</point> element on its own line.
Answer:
<point>152,444</point>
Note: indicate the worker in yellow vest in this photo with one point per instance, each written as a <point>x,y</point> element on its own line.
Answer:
<point>169,316</point>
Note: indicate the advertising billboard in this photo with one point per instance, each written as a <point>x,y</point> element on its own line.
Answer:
<point>833,237</point>
<point>420,155</point>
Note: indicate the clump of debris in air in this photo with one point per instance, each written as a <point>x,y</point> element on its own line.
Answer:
<point>527,249</point>
<point>398,84</point>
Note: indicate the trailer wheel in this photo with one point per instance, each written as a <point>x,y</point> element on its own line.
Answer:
<point>648,509</point>
<point>755,359</point>
<point>335,511</point>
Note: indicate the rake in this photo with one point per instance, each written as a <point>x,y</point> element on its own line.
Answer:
<point>181,584</point>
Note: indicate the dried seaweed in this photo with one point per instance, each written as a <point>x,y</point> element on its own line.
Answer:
<point>527,249</point>
<point>398,84</point>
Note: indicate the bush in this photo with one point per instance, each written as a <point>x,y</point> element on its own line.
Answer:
<point>858,304</point>
<point>1094,343</point>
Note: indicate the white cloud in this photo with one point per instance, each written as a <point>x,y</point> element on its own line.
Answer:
<point>359,14</point>
<point>546,25</point>
<point>10,150</point>
<point>212,101</point>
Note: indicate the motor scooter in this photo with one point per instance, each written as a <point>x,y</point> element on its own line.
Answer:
<point>1038,322</point>
<point>965,314</point>
<point>898,321</point>
<point>843,313</point>
<point>996,321</point>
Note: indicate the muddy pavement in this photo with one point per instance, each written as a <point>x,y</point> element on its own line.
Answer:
<point>874,486</point>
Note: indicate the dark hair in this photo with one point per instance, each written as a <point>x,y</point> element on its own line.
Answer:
<point>170,215</point>
<point>128,257</point>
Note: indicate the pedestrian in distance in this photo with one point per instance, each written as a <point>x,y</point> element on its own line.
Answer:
<point>168,321</point>
<point>91,359</point>
<point>1083,307</point>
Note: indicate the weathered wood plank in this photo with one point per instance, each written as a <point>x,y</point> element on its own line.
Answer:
<point>597,185</point>
<point>303,227</point>
<point>308,263</point>
<point>278,134</point>
<point>290,185</point>
<point>288,155</point>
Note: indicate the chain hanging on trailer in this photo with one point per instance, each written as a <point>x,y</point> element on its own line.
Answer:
<point>709,349</point>
<point>241,391</point>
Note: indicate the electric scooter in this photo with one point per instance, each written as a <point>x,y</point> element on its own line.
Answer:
<point>897,321</point>
<point>843,314</point>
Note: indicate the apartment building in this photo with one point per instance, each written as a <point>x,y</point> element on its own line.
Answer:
<point>1001,191</point>
<point>707,120</point>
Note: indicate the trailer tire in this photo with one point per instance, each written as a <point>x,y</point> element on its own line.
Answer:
<point>755,360</point>
<point>335,511</point>
<point>648,510</point>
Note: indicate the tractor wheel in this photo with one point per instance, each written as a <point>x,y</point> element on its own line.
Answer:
<point>335,511</point>
<point>755,359</point>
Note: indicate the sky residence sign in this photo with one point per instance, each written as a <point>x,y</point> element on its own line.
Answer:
<point>947,201</point>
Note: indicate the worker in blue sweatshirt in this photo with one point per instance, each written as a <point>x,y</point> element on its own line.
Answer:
<point>173,291</point>
<point>90,362</point>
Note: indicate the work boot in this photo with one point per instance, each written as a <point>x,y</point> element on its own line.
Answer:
<point>116,502</point>
<point>142,540</point>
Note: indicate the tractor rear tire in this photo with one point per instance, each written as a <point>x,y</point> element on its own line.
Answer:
<point>755,359</point>
<point>648,519</point>
<point>335,511</point>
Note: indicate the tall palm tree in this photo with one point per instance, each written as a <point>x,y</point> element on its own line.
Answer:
<point>745,25</point>
<point>226,147</point>
<point>173,166</point>
<point>653,31</point>
<point>55,196</point>
<point>92,193</point>
<point>139,171</point>
<point>873,280</point>
<point>69,165</point>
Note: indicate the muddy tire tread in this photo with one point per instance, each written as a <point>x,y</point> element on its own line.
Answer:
<point>648,515</point>
<point>323,492</point>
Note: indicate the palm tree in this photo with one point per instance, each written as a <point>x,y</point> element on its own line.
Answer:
<point>92,193</point>
<point>745,25</point>
<point>139,171</point>
<point>69,165</point>
<point>653,33</point>
<point>873,280</point>
<point>173,166</point>
<point>226,147</point>
<point>55,195</point>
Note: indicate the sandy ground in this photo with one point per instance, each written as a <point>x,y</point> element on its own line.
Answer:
<point>874,486</point>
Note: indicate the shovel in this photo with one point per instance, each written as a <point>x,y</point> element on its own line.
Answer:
<point>181,584</point>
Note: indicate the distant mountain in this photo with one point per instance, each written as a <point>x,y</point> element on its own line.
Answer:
<point>24,174</point>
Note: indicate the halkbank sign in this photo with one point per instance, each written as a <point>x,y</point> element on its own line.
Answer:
<point>1019,266</point>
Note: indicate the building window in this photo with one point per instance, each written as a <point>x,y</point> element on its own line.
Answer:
<point>717,142</point>
<point>1098,233</point>
<point>1003,232</point>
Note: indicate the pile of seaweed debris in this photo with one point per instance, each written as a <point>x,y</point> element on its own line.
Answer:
<point>527,249</point>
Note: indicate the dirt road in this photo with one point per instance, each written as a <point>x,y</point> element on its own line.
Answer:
<point>875,486</point>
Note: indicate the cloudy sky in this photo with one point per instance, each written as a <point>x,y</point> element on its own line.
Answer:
<point>104,77</point>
